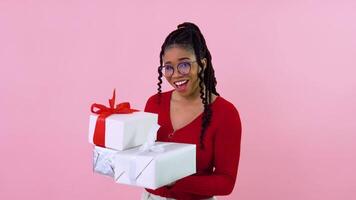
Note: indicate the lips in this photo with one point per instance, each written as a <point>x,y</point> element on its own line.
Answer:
<point>180,83</point>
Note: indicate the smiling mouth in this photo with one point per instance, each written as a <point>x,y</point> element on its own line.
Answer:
<point>180,83</point>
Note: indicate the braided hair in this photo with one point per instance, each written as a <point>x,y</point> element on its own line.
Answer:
<point>188,36</point>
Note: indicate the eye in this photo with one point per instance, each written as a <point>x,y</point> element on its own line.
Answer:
<point>168,70</point>
<point>184,67</point>
<point>184,64</point>
<point>168,67</point>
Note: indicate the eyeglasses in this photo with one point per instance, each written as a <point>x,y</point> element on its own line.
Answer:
<point>182,67</point>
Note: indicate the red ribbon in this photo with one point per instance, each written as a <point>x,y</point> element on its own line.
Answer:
<point>104,112</point>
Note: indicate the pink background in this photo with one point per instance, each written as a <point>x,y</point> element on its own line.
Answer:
<point>288,66</point>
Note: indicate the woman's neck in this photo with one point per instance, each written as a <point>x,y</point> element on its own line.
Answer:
<point>192,98</point>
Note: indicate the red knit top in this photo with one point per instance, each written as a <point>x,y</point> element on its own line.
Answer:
<point>217,163</point>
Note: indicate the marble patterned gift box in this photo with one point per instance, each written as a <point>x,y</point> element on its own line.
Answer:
<point>103,161</point>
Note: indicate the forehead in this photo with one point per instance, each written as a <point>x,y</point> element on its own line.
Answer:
<point>175,54</point>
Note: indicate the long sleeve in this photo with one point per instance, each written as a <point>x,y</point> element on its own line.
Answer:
<point>217,165</point>
<point>226,159</point>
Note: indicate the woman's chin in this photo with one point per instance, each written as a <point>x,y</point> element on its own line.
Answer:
<point>182,90</point>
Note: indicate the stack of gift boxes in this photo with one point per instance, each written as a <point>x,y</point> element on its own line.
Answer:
<point>125,148</point>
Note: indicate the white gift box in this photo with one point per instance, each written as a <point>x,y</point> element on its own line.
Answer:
<point>123,131</point>
<point>162,164</point>
<point>103,161</point>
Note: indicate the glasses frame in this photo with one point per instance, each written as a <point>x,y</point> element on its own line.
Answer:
<point>161,68</point>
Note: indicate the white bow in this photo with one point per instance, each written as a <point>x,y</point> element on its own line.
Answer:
<point>149,145</point>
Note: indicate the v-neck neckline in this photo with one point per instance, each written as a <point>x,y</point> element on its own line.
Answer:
<point>191,122</point>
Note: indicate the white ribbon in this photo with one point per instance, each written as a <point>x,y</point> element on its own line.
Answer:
<point>148,146</point>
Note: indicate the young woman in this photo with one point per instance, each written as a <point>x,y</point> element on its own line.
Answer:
<point>194,112</point>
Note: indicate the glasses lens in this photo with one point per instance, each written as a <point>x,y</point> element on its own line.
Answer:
<point>168,70</point>
<point>184,67</point>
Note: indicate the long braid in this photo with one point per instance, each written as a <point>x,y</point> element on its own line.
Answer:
<point>188,35</point>
<point>160,74</point>
<point>204,88</point>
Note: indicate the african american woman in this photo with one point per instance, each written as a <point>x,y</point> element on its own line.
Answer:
<point>193,112</point>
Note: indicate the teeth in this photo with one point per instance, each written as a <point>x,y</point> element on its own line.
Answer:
<point>178,83</point>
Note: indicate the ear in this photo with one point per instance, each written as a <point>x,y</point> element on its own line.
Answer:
<point>204,61</point>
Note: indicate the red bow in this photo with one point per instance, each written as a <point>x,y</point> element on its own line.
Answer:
<point>104,112</point>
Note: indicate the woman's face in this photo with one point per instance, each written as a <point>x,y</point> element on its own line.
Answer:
<point>185,84</point>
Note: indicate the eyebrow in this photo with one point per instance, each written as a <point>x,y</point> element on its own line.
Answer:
<point>183,58</point>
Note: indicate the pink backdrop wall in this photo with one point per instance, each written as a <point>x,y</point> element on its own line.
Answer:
<point>288,66</point>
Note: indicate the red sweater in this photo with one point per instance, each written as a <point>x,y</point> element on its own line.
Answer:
<point>222,149</point>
